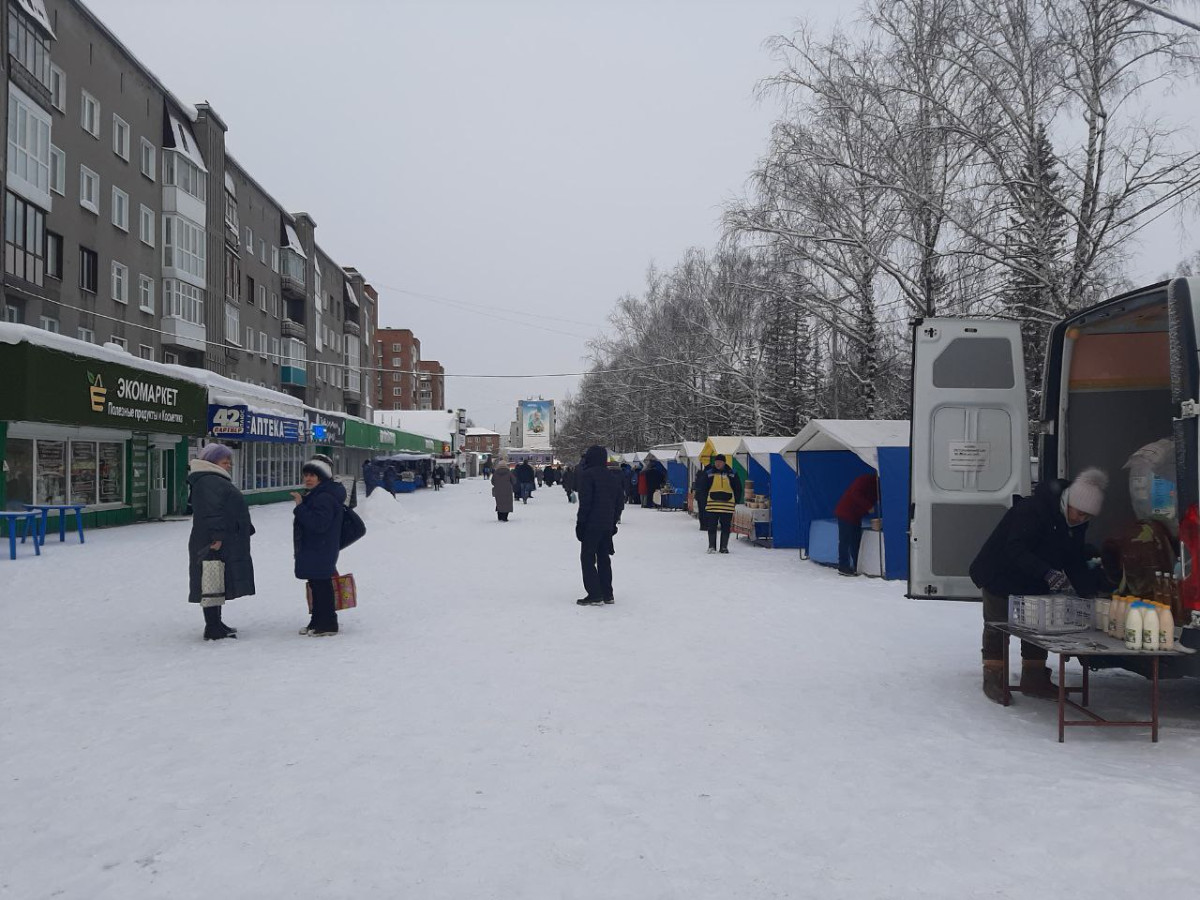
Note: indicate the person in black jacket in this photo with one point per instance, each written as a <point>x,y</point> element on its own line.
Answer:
<point>1037,548</point>
<point>568,483</point>
<point>221,529</point>
<point>600,505</point>
<point>526,478</point>
<point>316,538</point>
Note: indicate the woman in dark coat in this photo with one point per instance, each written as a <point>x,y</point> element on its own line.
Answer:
<point>317,538</point>
<point>503,486</point>
<point>221,529</point>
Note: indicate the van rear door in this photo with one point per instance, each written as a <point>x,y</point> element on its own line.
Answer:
<point>970,447</point>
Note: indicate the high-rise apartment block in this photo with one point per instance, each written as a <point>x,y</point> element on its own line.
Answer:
<point>405,380</point>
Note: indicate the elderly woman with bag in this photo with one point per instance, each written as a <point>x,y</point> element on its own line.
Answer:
<point>316,537</point>
<point>219,563</point>
<point>504,487</point>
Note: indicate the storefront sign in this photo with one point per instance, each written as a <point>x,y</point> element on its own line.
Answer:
<point>237,423</point>
<point>325,429</point>
<point>42,384</point>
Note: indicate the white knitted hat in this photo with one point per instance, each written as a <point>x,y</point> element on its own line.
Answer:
<point>1086,492</point>
<point>318,467</point>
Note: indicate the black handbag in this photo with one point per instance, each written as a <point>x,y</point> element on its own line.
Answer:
<point>353,528</point>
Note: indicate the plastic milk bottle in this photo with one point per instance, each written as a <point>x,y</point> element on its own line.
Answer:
<point>1133,627</point>
<point>1166,628</point>
<point>1150,626</point>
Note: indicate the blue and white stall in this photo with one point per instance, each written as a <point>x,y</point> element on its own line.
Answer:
<point>774,479</point>
<point>829,454</point>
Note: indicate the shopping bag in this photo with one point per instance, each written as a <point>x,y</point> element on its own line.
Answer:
<point>212,582</point>
<point>345,593</point>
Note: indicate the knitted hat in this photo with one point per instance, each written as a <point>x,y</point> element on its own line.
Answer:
<point>328,460</point>
<point>317,466</point>
<point>1086,492</point>
<point>719,456</point>
<point>216,453</point>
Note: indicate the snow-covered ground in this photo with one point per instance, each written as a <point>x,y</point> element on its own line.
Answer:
<point>743,726</point>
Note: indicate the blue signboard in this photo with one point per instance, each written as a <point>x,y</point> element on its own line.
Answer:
<point>237,423</point>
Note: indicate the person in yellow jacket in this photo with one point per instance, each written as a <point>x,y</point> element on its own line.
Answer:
<point>723,491</point>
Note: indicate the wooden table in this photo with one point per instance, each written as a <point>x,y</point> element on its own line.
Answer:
<point>1084,644</point>
<point>29,521</point>
<point>63,509</point>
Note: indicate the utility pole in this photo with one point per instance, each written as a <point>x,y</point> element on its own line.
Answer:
<point>1164,13</point>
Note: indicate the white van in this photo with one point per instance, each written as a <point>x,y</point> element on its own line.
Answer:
<point>1116,378</point>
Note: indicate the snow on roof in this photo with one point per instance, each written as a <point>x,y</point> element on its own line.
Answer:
<point>724,444</point>
<point>220,389</point>
<point>351,297</point>
<point>230,184</point>
<point>762,448</point>
<point>862,437</point>
<point>293,241</point>
<point>481,432</point>
<point>690,450</point>
<point>430,423</point>
<point>664,452</point>
<point>184,141</point>
<point>36,10</point>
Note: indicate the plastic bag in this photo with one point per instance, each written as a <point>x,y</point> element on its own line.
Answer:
<point>1152,481</point>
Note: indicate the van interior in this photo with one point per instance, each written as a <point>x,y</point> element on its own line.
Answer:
<point>1115,390</point>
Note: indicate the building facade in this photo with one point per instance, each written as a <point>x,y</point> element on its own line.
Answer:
<point>397,361</point>
<point>482,440</point>
<point>431,385</point>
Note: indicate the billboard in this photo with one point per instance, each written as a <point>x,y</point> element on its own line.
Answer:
<point>537,423</point>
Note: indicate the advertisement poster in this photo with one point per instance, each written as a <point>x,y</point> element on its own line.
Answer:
<point>537,421</point>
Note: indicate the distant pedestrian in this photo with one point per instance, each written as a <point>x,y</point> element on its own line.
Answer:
<point>525,480</point>
<point>723,491</point>
<point>221,530</point>
<point>439,478</point>
<point>569,479</point>
<point>857,501</point>
<point>596,525</point>
<point>316,540</point>
<point>700,496</point>
<point>502,490</point>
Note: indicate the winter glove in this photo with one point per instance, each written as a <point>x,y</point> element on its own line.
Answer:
<point>1057,581</point>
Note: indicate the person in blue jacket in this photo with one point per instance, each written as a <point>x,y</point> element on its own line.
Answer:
<point>316,538</point>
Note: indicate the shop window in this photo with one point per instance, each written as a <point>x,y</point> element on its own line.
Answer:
<point>83,472</point>
<point>18,479</point>
<point>51,472</point>
<point>112,472</point>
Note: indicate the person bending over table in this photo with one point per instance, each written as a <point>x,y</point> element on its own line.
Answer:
<point>1037,548</point>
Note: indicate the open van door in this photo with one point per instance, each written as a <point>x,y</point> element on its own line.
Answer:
<point>970,447</point>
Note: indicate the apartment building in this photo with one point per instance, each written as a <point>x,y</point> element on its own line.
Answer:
<point>397,361</point>
<point>431,385</point>
<point>127,221</point>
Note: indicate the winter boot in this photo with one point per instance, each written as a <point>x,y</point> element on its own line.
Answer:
<point>214,628</point>
<point>1035,679</point>
<point>590,601</point>
<point>712,549</point>
<point>994,677</point>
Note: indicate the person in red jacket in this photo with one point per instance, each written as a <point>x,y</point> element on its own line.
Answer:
<point>859,499</point>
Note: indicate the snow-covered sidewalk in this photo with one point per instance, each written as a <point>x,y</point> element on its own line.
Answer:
<point>743,726</point>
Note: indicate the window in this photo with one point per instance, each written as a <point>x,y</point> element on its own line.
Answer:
<point>24,239</point>
<point>396,362</point>
<point>262,344</point>
<point>13,314</point>
<point>249,289</point>
<point>120,282</point>
<point>183,301</point>
<point>145,351</point>
<point>262,297</point>
<point>89,270</point>
<point>181,172</point>
<point>146,228</point>
<point>232,322</point>
<point>397,392</point>
<point>58,171</point>
<point>231,212</point>
<point>171,359</point>
<point>54,255</point>
<point>86,334</point>
<point>275,260</point>
<point>275,304</point>
<point>89,189</point>
<point>183,246</point>
<point>275,351</point>
<point>28,148</point>
<point>120,137</point>
<point>248,345</point>
<point>395,348</point>
<point>46,323</point>
<point>146,293</point>
<point>233,276</point>
<point>89,116</point>
<point>58,88</point>
<point>29,45</point>
<point>120,208</point>
<point>119,341</point>
<point>295,353</point>
<point>262,251</point>
<point>249,239</point>
<point>148,152</point>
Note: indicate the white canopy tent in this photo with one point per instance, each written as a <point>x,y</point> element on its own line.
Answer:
<point>862,437</point>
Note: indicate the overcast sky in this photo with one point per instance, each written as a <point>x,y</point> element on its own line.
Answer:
<point>480,159</point>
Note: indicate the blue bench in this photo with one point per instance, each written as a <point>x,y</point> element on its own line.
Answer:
<point>29,526</point>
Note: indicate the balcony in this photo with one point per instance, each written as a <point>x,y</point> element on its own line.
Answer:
<point>352,328</point>
<point>178,332</point>
<point>293,376</point>
<point>291,274</point>
<point>290,329</point>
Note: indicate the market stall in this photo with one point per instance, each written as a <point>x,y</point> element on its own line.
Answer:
<point>675,491</point>
<point>409,471</point>
<point>689,458</point>
<point>829,455</point>
<point>727,446</point>
<point>755,517</point>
